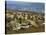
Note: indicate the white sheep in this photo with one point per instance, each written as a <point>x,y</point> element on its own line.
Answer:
<point>33,23</point>
<point>25,26</point>
<point>15,25</point>
<point>9,16</point>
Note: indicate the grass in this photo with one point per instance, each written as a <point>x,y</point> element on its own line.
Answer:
<point>32,29</point>
<point>28,30</point>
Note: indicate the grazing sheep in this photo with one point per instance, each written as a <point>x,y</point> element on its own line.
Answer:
<point>29,24</point>
<point>12,16</point>
<point>33,23</point>
<point>23,23</point>
<point>9,16</point>
<point>15,25</point>
<point>24,26</point>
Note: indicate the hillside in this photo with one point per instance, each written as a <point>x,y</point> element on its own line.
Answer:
<point>16,17</point>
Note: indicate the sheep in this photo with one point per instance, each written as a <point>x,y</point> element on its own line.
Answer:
<point>33,23</point>
<point>25,26</point>
<point>9,16</point>
<point>15,25</point>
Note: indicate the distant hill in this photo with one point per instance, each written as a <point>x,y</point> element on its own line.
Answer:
<point>36,7</point>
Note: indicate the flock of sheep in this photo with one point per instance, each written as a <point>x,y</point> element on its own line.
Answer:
<point>14,25</point>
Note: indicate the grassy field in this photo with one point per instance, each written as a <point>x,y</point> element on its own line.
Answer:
<point>31,29</point>
<point>28,30</point>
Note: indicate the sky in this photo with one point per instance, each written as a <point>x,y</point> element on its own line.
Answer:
<point>26,5</point>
